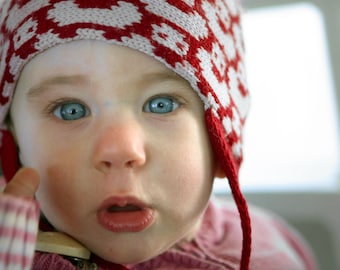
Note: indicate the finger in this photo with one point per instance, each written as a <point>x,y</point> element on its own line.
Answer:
<point>24,184</point>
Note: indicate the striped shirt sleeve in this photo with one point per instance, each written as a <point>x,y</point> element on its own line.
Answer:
<point>18,230</point>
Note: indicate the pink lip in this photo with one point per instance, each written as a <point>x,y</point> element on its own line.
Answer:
<point>125,214</point>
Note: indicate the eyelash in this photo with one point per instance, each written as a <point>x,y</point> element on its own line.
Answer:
<point>52,106</point>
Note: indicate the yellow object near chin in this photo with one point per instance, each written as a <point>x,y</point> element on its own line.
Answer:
<point>60,243</point>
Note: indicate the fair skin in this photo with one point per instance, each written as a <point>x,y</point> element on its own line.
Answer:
<point>112,133</point>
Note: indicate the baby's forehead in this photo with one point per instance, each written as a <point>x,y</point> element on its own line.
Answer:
<point>87,56</point>
<point>81,63</point>
<point>77,52</point>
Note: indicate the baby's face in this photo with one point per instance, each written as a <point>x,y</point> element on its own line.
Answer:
<point>121,146</point>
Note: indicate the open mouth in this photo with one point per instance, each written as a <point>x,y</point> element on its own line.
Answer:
<point>125,214</point>
<point>127,208</point>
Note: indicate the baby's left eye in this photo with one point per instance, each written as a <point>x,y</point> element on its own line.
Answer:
<point>71,111</point>
<point>161,105</point>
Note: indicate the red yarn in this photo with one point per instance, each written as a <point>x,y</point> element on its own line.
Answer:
<point>230,168</point>
<point>8,155</point>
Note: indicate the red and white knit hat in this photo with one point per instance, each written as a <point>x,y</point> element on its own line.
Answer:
<point>201,40</point>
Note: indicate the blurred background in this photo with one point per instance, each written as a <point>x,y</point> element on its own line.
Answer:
<point>291,163</point>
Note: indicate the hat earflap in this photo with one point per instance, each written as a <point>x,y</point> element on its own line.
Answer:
<point>9,155</point>
<point>230,168</point>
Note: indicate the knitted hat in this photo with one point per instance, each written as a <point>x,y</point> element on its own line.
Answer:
<point>201,40</point>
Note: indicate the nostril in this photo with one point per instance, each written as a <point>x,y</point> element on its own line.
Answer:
<point>107,164</point>
<point>129,164</point>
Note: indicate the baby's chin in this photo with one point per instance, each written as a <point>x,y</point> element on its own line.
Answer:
<point>141,253</point>
<point>128,258</point>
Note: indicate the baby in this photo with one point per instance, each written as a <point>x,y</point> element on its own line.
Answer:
<point>122,113</point>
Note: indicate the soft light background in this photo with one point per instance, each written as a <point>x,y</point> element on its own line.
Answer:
<point>291,135</point>
<point>292,138</point>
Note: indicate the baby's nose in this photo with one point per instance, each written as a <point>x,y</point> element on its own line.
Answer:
<point>120,145</point>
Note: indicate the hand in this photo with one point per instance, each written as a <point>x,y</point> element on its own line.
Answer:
<point>24,184</point>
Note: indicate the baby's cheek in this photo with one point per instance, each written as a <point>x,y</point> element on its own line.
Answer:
<point>54,194</point>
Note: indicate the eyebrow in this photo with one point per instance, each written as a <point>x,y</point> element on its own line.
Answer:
<point>56,81</point>
<point>162,75</point>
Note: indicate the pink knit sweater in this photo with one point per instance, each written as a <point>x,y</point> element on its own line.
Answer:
<point>217,245</point>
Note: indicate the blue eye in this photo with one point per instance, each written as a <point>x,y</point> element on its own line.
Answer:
<point>161,105</point>
<point>71,111</point>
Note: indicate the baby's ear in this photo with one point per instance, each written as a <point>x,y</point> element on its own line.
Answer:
<point>10,126</point>
<point>219,173</point>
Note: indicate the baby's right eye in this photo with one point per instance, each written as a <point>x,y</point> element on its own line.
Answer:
<point>71,111</point>
<point>161,105</point>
